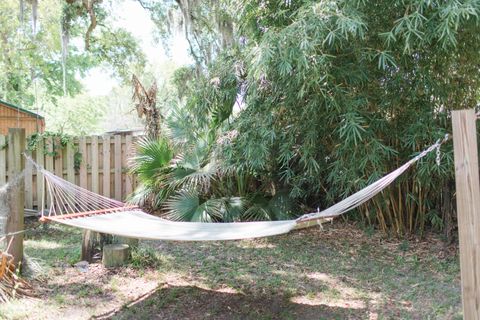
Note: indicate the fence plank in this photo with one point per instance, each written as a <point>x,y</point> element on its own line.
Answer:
<point>49,156</point>
<point>49,164</point>
<point>40,159</point>
<point>10,158</point>
<point>468,208</point>
<point>118,167</point>
<point>70,163</point>
<point>28,177</point>
<point>106,166</point>
<point>82,148</point>
<point>3,160</point>
<point>58,158</point>
<point>94,158</point>
<point>128,155</point>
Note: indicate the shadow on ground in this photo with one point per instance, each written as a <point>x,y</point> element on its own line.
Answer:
<point>190,302</point>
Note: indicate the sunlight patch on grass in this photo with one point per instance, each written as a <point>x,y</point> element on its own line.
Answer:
<point>320,276</point>
<point>332,282</point>
<point>43,244</point>
<point>18,309</point>
<point>227,290</point>
<point>280,272</point>
<point>255,244</point>
<point>332,303</point>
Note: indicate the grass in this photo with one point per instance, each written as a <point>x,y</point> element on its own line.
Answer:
<point>339,273</point>
<point>54,245</point>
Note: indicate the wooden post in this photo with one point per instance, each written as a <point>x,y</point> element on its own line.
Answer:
<point>468,208</point>
<point>89,241</point>
<point>16,198</point>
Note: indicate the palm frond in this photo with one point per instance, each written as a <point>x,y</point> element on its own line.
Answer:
<point>151,165</point>
<point>152,155</point>
<point>194,168</point>
<point>233,208</point>
<point>186,205</point>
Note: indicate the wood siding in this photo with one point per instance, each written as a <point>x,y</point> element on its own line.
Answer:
<point>11,118</point>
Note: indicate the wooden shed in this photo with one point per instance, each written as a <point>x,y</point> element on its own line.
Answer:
<point>12,116</point>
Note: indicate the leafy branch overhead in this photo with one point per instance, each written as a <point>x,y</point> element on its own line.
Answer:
<point>81,7</point>
<point>35,56</point>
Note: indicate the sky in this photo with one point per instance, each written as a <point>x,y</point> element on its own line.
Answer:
<point>132,17</point>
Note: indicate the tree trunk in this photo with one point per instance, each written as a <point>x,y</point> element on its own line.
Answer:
<point>89,241</point>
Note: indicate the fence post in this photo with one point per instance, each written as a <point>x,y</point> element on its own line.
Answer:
<point>16,198</point>
<point>468,208</point>
<point>89,240</point>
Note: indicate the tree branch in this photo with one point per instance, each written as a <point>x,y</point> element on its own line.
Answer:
<point>93,20</point>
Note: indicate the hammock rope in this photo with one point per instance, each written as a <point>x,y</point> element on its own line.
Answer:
<point>78,207</point>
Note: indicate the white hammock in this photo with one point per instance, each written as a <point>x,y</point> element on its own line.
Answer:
<point>78,207</point>
<point>140,225</point>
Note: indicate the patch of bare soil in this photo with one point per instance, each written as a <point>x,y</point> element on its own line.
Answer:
<point>75,293</point>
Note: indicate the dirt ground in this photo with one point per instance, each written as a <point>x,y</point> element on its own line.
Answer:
<point>340,272</point>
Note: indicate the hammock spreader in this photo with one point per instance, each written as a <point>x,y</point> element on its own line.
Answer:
<point>74,206</point>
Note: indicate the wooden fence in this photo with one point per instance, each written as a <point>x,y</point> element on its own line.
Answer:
<point>96,163</point>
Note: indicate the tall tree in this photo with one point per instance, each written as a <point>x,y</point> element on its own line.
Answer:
<point>33,57</point>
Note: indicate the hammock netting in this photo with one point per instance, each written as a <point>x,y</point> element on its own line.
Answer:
<point>74,206</point>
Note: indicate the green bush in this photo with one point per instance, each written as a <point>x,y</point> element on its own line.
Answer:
<point>145,257</point>
<point>336,94</point>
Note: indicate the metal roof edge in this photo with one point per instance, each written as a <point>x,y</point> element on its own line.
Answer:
<point>21,109</point>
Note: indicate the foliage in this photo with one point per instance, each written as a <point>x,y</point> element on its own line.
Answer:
<point>36,57</point>
<point>79,115</point>
<point>191,187</point>
<point>337,94</point>
<point>207,26</point>
<point>58,142</point>
<point>149,164</point>
<point>53,144</point>
<point>145,257</point>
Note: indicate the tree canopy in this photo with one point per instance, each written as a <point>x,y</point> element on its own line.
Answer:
<point>37,48</point>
